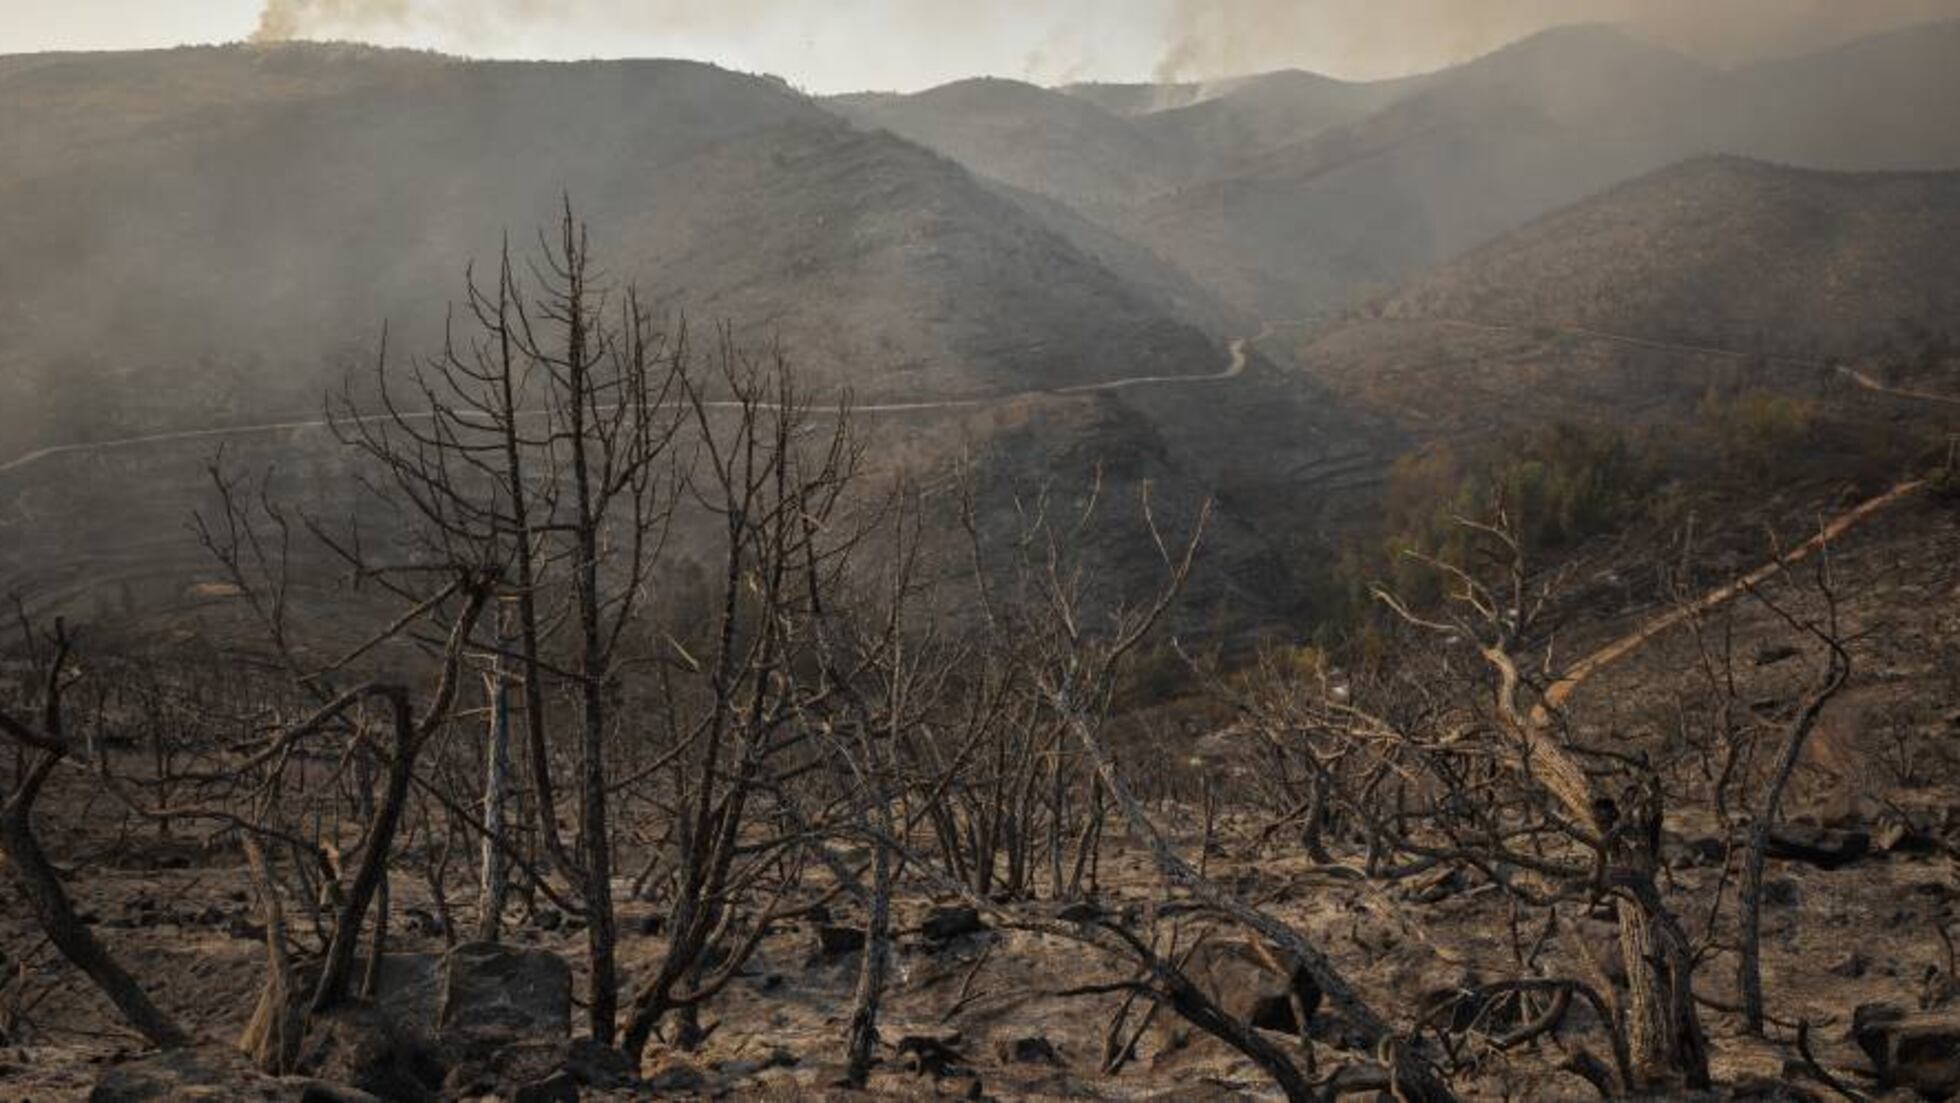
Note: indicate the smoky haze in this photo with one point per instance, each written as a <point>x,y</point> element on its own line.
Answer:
<point>1361,39</point>
<point>1172,39</point>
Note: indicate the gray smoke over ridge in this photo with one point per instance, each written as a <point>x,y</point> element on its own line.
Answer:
<point>844,45</point>
<point>1363,39</point>
<point>1187,39</point>
<point>476,20</point>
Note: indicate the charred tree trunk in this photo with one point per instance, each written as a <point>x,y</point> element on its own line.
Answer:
<point>495,882</point>
<point>337,975</point>
<point>41,885</point>
<point>1749,963</point>
<point>862,1036</point>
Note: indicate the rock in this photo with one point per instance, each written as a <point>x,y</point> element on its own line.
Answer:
<point>1441,888</point>
<point>410,989</point>
<point>834,942</point>
<point>1028,1050</point>
<point>948,923</point>
<point>319,1091</point>
<point>1822,847</point>
<point>1851,966</point>
<point>751,1066</point>
<point>422,922</point>
<point>1772,1089</point>
<point>597,1065</point>
<point>1241,980</point>
<point>1900,835</point>
<point>937,1056</point>
<point>672,1074</point>
<point>205,1072</point>
<point>360,1045</point>
<point>1916,1051</point>
<point>559,1087</point>
<point>502,991</point>
<point>1770,656</point>
<point>1703,851</point>
<point>1080,911</point>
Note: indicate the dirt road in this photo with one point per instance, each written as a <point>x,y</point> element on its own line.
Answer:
<point>1234,367</point>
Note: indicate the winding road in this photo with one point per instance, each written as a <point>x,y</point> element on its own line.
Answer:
<point>1234,368</point>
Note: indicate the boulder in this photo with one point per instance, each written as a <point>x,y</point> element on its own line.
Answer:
<point>1917,1051</point>
<point>490,990</point>
<point>360,1045</point>
<point>1704,850</point>
<point>934,1055</point>
<point>1854,964</point>
<point>1242,980</point>
<point>597,1065</point>
<point>1032,1049</point>
<point>319,1091</point>
<point>559,1087</point>
<point>948,923</point>
<point>1823,847</point>
<point>409,989</point>
<point>204,1072</point>
<point>834,941</point>
<point>670,1073</point>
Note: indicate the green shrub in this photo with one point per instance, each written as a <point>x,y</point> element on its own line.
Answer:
<point>1759,430</point>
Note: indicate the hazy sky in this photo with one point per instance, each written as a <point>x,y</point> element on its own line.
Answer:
<point>838,45</point>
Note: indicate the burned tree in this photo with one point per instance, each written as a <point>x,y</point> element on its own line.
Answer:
<point>44,746</point>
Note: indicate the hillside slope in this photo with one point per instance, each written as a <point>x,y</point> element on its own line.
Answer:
<point>1455,159</point>
<point>1631,305</point>
<point>1300,195</point>
<point>1724,251</point>
<point>1038,140</point>
<point>211,259</point>
<point>232,267</point>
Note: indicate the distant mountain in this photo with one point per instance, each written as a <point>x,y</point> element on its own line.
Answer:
<point>1882,103</point>
<point>212,237</point>
<point>1297,196</point>
<point>1041,141</point>
<point>1724,251</point>
<point>1253,116</point>
<point>240,247</point>
<point>1141,98</point>
<point>1636,299</point>
<point>1452,160</point>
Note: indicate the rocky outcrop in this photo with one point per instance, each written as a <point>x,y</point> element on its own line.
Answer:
<point>215,1073</point>
<point>1916,1051</point>
<point>491,991</point>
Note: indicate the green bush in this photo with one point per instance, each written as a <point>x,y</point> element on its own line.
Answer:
<point>1557,485</point>
<point>1759,430</point>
